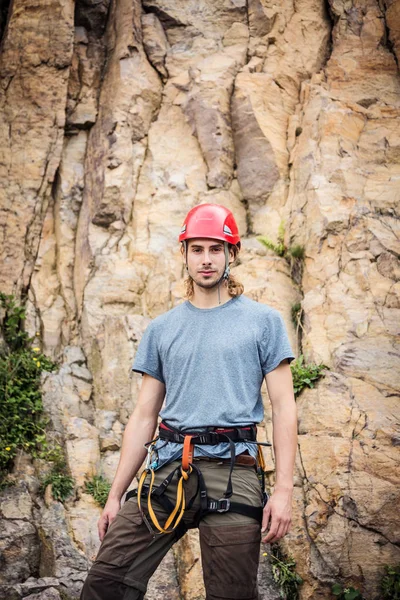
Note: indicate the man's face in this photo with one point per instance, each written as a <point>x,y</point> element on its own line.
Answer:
<point>206,261</point>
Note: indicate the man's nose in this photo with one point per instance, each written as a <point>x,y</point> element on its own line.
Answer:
<point>206,258</point>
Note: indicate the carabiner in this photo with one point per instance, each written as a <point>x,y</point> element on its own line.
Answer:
<point>149,458</point>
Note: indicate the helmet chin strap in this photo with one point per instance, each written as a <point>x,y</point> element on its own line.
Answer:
<point>227,267</point>
<point>226,271</point>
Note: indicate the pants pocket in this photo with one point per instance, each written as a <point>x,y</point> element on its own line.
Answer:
<point>126,535</point>
<point>230,556</point>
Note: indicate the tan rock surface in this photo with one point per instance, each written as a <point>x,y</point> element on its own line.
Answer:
<point>164,583</point>
<point>343,202</point>
<point>34,71</point>
<point>83,516</point>
<point>393,23</point>
<point>83,450</point>
<point>19,544</point>
<point>60,556</point>
<point>189,569</point>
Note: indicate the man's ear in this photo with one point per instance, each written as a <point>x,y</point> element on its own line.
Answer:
<point>232,255</point>
<point>183,255</point>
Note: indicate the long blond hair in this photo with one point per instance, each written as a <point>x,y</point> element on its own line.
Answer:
<point>235,287</point>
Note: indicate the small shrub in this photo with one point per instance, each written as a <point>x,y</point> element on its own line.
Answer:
<point>99,488</point>
<point>280,248</point>
<point>305,375</point>
<point>62,485</point>
<point>22,420</point>
<point>6,483</point>
<point>52,452</point>
<point>297,252</point>
<point>345,593</point>
<point>284,574</point>
<point>390,583</point>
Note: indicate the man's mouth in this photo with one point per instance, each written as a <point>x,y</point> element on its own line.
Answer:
<point>206,272</point>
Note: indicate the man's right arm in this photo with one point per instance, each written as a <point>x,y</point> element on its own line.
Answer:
<point>139,430</point>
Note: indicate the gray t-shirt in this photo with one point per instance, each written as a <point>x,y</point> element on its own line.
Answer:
<point>212,362</point>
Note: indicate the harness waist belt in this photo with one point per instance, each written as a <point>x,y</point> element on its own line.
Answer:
<point>214,436</point>
<point>240,459</point>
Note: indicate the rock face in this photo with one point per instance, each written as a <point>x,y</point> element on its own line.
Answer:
<point>117,118</point>
<point>344,205</point>
<point>35,64</point>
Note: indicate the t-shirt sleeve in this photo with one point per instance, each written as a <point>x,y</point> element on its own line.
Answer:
<point>147,359</point>
<point>275,345</point>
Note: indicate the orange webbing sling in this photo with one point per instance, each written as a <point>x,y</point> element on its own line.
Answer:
<point>187,455</point>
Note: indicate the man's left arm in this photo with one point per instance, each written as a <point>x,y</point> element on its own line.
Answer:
<point>277,515</point>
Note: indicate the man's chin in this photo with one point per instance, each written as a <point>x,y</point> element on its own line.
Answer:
<point>206,284</point>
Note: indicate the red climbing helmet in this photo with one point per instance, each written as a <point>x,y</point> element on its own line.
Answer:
<point>210,221</point>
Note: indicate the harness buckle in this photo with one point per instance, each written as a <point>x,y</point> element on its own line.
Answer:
<point>213,438</point>
<point>224,505</point>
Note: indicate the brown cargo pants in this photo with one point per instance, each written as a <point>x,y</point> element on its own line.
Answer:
<point>230,542</point>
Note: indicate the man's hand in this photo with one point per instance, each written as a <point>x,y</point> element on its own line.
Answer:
<point>277,515</point>
<point>107,516</point>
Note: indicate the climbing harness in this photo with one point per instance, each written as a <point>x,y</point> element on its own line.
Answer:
<point>212,436</point>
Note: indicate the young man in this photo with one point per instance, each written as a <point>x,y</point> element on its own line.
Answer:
<point>207,358</point>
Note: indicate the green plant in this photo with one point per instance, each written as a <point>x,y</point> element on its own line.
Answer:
<point>6,483</point>
<point>390,583</point>
<point>284,573</point>
<point>52,452</point>
<point>62,485</point>
<point>14,335</point>
<point>296,251</point>
<point>99,488</point>
<point>22,420</point>
<point>280,248</point>
<point>305,375</point>
<point>345,593</point>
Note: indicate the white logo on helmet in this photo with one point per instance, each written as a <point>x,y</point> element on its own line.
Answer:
<point>183,229</point>
<point>227,230</point>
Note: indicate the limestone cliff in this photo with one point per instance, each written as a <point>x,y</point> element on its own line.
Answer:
<point>116,117</point>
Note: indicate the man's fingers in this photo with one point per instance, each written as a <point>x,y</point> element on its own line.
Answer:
<point>287,527</point>
<point>278,530</point>
<point>272,531</point>
<point>266,517</point>
<point>102,526</point>
<point>280,533</point>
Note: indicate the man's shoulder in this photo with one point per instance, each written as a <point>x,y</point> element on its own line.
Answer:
<point>258,308</point>
<point>257,314</point>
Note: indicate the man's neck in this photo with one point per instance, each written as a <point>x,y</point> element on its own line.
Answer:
<point>208,298</point>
